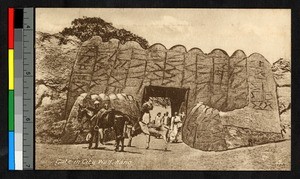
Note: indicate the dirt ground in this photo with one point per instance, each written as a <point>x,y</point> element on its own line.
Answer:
<point>179,156</point>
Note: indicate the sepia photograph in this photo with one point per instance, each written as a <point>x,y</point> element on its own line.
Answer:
<point>162,89</point>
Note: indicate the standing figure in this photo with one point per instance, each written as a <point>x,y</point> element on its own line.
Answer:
<point>176,124</point>
<point>182,117</point>
<point>95,131</point>
<point>129,131</point>
<point>158,122</point>
<point>158,119</point>
<point>146,118</point>
<point>167,119</point>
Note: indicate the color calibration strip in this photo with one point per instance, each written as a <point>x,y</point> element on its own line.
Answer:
<point>11,137</point>
<point>21,86</point>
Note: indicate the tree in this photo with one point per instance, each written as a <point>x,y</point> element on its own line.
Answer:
<point>87,27</point>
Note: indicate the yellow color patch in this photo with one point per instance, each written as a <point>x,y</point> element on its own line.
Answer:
<point>11,68</point>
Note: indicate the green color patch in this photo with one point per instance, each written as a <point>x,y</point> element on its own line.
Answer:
<point>11,111</point>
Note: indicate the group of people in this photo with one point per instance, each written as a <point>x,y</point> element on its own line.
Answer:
<point>174,123</point>
<point>147,122</point>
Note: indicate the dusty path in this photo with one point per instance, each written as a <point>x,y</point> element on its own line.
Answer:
<point>275,156</point>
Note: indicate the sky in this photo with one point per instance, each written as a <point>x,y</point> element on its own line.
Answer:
<point>265,31</point>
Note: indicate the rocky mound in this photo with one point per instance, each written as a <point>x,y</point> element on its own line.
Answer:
<point>54,63</point>
<point>282,76</point>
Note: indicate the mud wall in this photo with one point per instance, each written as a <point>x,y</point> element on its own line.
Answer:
<point>241,87</point>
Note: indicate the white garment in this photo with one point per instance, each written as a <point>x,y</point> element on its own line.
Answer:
<point>177,119</point>
<point>175,131</point>
<point>146,118</point>
<point>159,120</point>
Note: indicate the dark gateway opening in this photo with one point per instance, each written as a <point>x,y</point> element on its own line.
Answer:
<point>178,96</point>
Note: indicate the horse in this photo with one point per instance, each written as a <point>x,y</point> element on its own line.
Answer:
<point>104,119</point>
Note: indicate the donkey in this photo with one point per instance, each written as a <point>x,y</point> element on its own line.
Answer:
<point>111,117</point>
<point>104,119</point>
